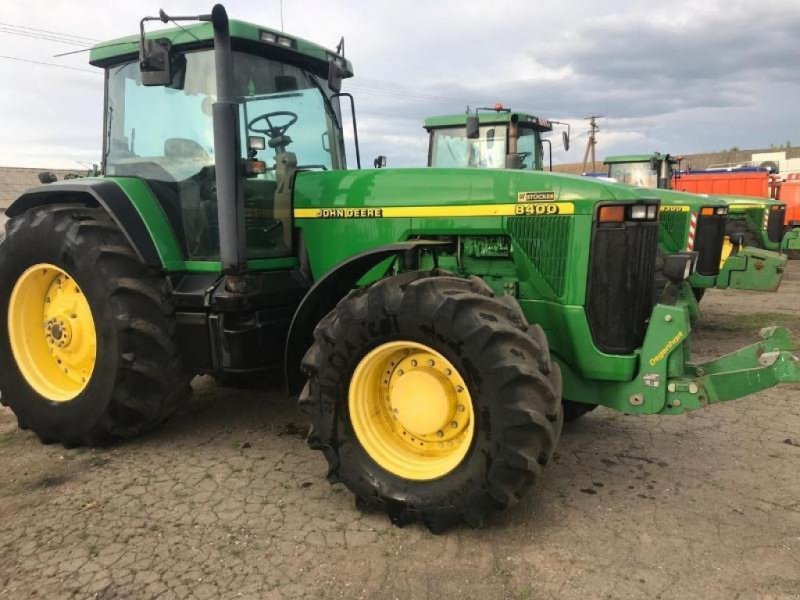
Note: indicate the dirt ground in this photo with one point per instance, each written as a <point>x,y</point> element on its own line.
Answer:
<point>226,501</point>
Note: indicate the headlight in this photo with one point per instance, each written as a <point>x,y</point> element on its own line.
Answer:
<point>652,212</point>
<point>639,212</point>
<point>722,210</point>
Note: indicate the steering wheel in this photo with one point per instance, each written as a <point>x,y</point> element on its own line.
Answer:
<point>273,131</point>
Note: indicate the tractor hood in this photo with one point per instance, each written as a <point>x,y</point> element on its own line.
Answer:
<point>693,201</point>
<point>395,188</point>
<point>744,201</point>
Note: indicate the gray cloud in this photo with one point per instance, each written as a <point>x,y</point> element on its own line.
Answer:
<point>679,77</point>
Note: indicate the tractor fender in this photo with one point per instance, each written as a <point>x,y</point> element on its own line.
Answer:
<point>326,293</point>
<point>95,192</point>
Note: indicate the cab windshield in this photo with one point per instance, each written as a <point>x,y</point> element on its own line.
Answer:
<point>450,147</point>
<point>164,135</point>
<point>640,174</point>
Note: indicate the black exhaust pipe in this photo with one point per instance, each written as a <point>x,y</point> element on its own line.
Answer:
<point>227,145</point>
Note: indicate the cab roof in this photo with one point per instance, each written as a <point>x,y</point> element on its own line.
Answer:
<point>492,117</point>
<point>201,35</point>
<point>633,158</point>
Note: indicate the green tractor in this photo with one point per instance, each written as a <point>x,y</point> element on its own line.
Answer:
<point>500,138</point>
<point>432,320</point>
<point>752,222</point>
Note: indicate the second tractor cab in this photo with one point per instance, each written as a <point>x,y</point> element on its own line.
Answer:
<point>494,138</point>
<point>755,222</point>
<point>438,324</point>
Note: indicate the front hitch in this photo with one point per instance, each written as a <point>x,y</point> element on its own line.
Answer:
<point>753,269</point>
<point>791,241</point>
<point>751,369</point>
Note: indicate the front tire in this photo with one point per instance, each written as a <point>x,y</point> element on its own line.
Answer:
<point>486,385</point>
<point>112,337</point>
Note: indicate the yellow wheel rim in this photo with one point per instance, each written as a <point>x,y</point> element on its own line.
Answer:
<point>411,410</point>
<point>52,332</point>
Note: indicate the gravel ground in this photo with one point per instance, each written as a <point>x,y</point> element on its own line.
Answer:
<point>226,501</point>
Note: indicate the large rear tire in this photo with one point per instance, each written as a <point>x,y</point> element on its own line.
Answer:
<point>463,410</point>
<point>87,330</point>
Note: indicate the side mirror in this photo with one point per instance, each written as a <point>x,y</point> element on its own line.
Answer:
<point>473,127</point>
<point>154,62</point>
<point>565,140</point>
<point>334,77</point>
<point>380,162</point>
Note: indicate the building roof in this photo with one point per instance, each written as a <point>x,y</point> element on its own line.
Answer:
<point>15,180</point>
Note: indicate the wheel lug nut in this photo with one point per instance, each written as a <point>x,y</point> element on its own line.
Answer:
<point>431,363</point>
<point>459,388</point>
<point>453,424</point>
<point>460,408</point>
<point>400,372</point>
<point>440,433</point>
<point>448,372</point>
<point>413,363</point>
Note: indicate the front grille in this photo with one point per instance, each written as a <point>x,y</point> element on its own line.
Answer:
<point>754,218</point>
<point>775,224</point>
<point>708,241</point>
<point>620,288</point>
<point>674,226</point>
<point>545,241</point>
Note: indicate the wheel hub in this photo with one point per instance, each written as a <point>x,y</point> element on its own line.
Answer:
<point>58,361</point>
<point>411,410</point>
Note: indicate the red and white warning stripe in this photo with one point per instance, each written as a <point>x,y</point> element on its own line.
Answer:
<point>766,218</point>
<point>692,229</point>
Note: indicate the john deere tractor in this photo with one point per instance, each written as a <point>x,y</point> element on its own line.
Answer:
<point>499,137</point>
<point>754,222</point>
<point>433,318</point>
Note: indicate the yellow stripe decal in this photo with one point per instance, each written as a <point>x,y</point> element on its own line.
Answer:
<point>472,210</point>
<point>671,208</point>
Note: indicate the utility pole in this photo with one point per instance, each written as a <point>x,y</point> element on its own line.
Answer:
<point>592,142</point>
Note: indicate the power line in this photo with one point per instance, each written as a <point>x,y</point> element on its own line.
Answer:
<point>48,38</point>
<point>48,64</point>
<point>64,35</point>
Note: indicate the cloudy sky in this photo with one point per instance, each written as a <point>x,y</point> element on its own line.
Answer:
<point>680,77</point>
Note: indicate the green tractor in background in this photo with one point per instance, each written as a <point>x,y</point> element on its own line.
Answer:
<point>752,222</point>
<point>433,318</point>
<point>501,138</point>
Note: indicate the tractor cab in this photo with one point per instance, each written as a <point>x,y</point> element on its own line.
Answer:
<point>494,138</point>
<point>642,170</point>
<point>160,127</point>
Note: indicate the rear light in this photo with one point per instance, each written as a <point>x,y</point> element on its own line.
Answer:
<point>777,207</point>
<point>707,211</point>
<point>611,214</point>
